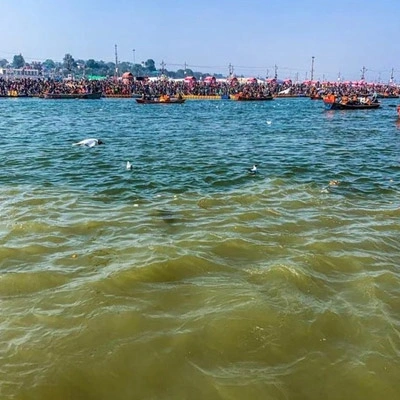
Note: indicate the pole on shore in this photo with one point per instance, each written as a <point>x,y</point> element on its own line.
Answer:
<point>391,77</point>
<point>312,68</point>
<point>163,65</point>
<point>363,71</point>
<point>116,62</point>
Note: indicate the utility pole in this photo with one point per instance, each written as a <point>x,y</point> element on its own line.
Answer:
<point>116,62</point>
<point>391,77</point>
<point>312,67</point>
<point>276,72</point>
<point>363,71</point>
<point>134,60</point>
<point>230,69</point>
<point>162,67</point>
<point>338,77</point>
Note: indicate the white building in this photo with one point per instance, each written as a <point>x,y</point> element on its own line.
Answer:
<point>19,73</point>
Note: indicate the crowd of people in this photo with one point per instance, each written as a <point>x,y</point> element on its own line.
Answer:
<point>112,87</point>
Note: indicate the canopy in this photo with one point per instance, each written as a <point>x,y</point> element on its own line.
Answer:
<point>127,75</point>
<point>209,79</point>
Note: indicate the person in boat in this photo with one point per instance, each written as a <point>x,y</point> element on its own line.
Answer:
<point>330,98</point>
<point>164,98</point>
<point>353,99</point>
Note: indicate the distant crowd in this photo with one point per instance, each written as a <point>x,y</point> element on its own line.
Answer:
<point>112,87</point>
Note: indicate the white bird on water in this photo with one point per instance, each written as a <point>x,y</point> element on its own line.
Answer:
<point>129,165</point>
<point>253,169</point>
<point>91,142</point>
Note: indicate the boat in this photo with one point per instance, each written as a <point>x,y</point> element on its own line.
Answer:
<point>13,93</point>
<point>239,97</point>
<point>172,100</point>
<point>117,96</point>
<point>13,96</point>
<point>388,96</point>
<point>205,97</point>
<point>331,102</point>
<point>63,96</point>
<point>289,96</point>
<point>398,111</point>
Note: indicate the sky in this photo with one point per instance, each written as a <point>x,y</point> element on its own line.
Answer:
<point>294,38</point>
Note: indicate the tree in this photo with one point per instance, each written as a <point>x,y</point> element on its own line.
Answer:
<point>124,67</point>
<point>18,61</point>
<point>150,65</point>
<point>49,64</point>
<point>3,63</point>
<point>92,64</point>
<point>37,65</point>
<point>69,63</point>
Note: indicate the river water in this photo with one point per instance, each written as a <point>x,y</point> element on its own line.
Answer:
<point>188,277</point>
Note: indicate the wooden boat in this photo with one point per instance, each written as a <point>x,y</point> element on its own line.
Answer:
<point>118,96</point>
<point>289,96</point>
<point>205,97</point>
<point>172,100</point>
<point>239,97</point>
<point>331,102</point>
<point>14,97</point>
<point>388,96</point>
<point>63,96</point>
<point>351,106</point>
<point>13,94</point>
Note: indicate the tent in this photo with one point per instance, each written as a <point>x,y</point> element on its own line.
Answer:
<point>209,79</point>
<point>127,77</point>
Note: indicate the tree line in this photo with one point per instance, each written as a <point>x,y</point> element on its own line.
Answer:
<point>86,68</point>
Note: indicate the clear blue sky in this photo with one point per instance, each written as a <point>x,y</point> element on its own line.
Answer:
<point>253,35</point>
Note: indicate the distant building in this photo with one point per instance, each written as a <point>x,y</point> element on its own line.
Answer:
<point>19,73</point>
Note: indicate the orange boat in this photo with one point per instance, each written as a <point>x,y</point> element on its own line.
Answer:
<point>171,100</point>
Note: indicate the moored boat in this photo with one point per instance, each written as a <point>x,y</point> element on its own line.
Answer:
<point>289,96</point>
<point>171,100</point>
<point>85,96</point>
<point>332,102</point>
<point>240,97</point>
<point>388,96</point>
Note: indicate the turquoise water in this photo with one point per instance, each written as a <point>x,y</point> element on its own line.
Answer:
<point>187,277</point>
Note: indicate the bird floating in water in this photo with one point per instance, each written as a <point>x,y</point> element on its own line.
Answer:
<point>91,142</point>
<point>334,182</point>
<point>253,169</point>
<point>129,165</point>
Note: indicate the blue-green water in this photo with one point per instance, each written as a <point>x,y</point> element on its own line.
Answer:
<point>187,277</point>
